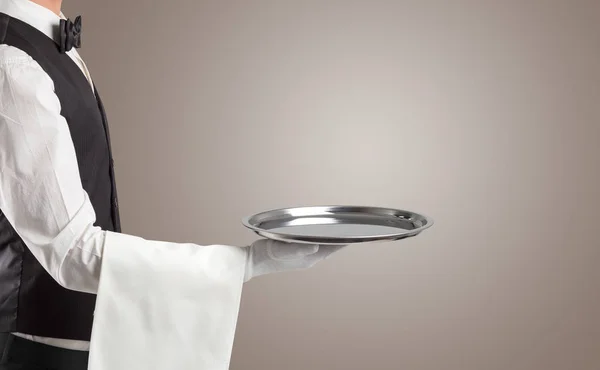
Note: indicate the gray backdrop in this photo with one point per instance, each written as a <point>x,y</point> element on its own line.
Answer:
<point>483,115</point>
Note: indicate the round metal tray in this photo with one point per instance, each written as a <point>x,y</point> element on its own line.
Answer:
<point>337,225</point>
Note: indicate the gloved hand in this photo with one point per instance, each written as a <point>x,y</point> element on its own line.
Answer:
<point>266,256</point>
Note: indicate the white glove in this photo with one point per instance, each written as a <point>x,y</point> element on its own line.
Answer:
<point>266,256</point>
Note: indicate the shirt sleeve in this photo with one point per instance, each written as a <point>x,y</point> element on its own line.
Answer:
<point>41,194</point>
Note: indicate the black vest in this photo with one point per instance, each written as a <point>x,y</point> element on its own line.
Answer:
<point>31,301</point>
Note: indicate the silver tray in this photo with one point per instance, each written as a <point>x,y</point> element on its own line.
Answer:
<point>337,225</point>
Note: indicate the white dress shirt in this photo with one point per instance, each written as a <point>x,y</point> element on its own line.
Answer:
<point>40,188</point>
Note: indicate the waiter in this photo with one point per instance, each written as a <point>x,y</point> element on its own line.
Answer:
<point>58,200</point>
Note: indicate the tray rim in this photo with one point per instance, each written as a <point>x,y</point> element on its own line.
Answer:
<point>303,239</point>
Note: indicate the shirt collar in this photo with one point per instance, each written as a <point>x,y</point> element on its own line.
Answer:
<point>37,16</point>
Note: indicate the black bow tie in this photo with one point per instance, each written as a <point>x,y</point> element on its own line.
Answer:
<point>70,34</point>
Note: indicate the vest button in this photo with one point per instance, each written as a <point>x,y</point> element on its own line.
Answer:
<point>115,203</point>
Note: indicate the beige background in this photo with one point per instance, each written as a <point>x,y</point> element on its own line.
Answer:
<point>484,115</point>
